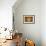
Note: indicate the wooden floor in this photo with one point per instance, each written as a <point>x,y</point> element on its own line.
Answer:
<point>9,43</point>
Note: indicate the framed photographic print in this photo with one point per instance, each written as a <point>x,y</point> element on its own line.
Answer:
<point>28,19</point>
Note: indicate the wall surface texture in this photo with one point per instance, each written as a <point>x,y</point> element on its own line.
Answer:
<point>43,22</point>
<point>30,31</point>
<point>6,13</point>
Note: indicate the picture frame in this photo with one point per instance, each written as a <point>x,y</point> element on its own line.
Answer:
<point>29,19</point>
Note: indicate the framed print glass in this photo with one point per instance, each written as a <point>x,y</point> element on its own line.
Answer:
<point>28,19</point>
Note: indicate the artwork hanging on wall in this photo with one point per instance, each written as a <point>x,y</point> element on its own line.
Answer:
<point>29,19</point>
